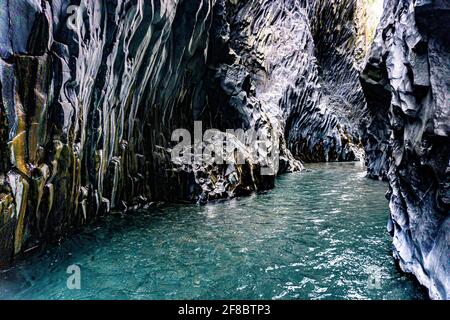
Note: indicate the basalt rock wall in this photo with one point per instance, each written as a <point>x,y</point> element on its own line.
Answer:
<point>304,58</point>
<point>90,94</point>
<point>406,82</point>
<point>89,90</point>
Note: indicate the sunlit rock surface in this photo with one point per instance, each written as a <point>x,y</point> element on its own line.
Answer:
<point>406,82</point>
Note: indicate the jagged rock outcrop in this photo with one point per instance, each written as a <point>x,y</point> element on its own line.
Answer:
<point>406,82</point>
<point>233,102</point>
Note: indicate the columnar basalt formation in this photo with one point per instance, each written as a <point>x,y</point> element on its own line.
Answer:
<point>90,93</point>
<point>304,58</point>
<point>89,90</point>
<point>406,82</point>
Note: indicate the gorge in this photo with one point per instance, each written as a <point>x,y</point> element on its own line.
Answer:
<point>91,92</point>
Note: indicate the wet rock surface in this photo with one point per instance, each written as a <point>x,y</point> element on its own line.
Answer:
<point>406,82</point>
<point>89,91</point>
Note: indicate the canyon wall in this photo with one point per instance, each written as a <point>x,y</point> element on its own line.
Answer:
<point>407,85</point>
<point>90,94</point>
<point>89,90</point>
<point>304,57</point>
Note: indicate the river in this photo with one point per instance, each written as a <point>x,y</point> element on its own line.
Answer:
<point>320,234</point>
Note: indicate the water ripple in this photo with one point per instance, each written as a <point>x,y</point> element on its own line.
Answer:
<point>319,235</point>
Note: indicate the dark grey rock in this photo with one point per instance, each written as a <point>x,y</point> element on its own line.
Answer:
<point>87,96</point>
<point>407,89</point>
<point>90,95</point>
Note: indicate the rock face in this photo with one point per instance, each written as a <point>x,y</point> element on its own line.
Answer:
<point>87,93</point>
<point>90,93</point>
<point>304,58</point>
<point>406,82</point>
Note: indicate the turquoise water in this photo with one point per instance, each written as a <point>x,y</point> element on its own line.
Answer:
<point>319,235</point>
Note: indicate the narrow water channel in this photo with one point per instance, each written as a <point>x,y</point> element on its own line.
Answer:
<point>320,234</point>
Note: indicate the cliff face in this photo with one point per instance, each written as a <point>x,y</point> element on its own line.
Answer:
<point>304,58</point>
<point>325,108</point>
<point>90,94</point>
<point>92,91</point>
<point>407,87</point>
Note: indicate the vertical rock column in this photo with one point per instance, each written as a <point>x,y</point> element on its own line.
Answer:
<point>304,58</point>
